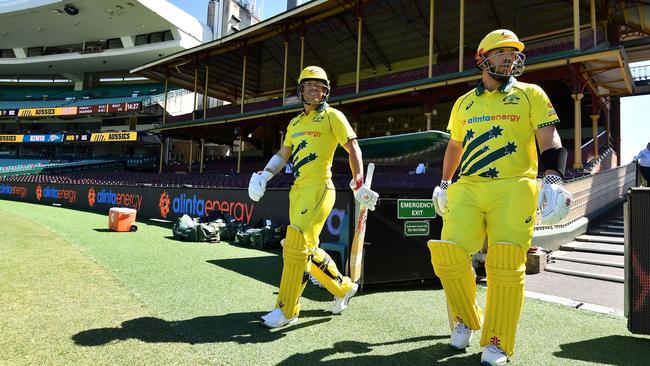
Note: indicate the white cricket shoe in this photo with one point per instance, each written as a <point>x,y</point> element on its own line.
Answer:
<point>276,319</point>
<point>341,303</point>
<point>264,317</point>
<point>493,356</point>
<point>461,336</point>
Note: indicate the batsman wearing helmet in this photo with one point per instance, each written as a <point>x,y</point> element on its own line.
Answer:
<point>493,132</point>
<point>311,139</point>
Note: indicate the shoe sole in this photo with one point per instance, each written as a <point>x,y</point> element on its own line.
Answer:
<point>290,322</point>
<point>485,363</point>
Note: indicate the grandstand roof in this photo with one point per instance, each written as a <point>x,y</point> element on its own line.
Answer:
<point>395,38</point>
<point>608,68</point>
<point>51,24</point>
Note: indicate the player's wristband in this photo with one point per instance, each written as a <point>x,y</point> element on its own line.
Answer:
<point>554,159</point>
<point>552,179</point>
<point>444,184</point>
<point>275,164</point>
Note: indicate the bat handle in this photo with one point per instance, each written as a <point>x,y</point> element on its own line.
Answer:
<point>369,174</point>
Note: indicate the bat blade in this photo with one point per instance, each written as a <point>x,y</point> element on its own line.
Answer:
<point>356,252</point>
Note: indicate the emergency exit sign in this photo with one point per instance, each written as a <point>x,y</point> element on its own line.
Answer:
<point>415,209</point>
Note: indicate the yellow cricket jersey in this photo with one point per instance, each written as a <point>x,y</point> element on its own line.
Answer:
<point>497,129</point>
<point>313,138</point>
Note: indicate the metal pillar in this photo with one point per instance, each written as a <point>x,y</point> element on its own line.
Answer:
<point>162,152</point>
<point>284,75</point>
<point>243,85</point>
<point>461,42</point>
<point>196,86</point>
<point>576,24</point>
<point>205,94</point>
<point>302,52</point>
<point>577,126</point>
<point>594,132</point>
<point>359,34</point>
<point>431,23</point>
<point>189,160</point>
<point>592,13</point>
<point>201,155</point>
<point>164,117</point>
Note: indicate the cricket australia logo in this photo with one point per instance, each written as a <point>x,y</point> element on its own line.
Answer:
<point>511,99</point>
<point>318,118</point>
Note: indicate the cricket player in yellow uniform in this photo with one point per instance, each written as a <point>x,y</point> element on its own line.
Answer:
<point>493,132</point>
<point>311,139</point>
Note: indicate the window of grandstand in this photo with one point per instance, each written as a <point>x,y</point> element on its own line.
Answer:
<point>94,46</point>
<point>154,37</point>
<point>168,36</point>
<point>114,43</point>
<point>7,53</point>
<point>34,51</point>
<point>67,48</point>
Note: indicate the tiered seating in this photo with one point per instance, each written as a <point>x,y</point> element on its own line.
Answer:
<point>16,165</point>
<point>57,92</point>
<point>537,49</point>
<point>20,97</point>
<point>28,166</point>
<point>386,178</point>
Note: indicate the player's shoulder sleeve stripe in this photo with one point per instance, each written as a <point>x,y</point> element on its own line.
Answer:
<point>549,123</point>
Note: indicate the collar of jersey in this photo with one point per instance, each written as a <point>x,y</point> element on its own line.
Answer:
<point>318,109</point>
<point>505,87</point>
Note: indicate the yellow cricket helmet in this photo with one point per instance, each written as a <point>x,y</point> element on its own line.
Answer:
<point>317,74</point>
<point>498,39</point>
<point>313,73</point>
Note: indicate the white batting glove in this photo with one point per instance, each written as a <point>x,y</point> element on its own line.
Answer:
<point>364,195</point>
<point>257,185</point>
<point>554,201</point>
<point>440,197</point>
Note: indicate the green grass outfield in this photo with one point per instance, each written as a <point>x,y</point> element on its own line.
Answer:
<point>71,292</point>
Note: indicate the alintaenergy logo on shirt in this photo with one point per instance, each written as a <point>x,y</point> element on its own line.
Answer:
<point>494,117</point>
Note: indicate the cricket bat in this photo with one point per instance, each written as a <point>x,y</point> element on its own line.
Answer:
<point>356,253</point>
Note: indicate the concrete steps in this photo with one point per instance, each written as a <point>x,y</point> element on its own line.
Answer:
<point>597,254</point>
<point>606,273</point>
<point>593,247</point>
<point>608,260</point>
<point>600,239</point>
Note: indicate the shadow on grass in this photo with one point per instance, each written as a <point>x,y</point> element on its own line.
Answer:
<point>104,231</point>
<point>268,270</point>
<point>613,350</point>
<point>439,353</point>
<point>237,327</point>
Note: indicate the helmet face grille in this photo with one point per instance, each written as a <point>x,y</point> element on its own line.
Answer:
<point>494,68</point>
<point>301,88</point>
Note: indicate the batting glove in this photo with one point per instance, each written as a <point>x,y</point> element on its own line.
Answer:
<point>364,195</point>
<point>554,201</point>
<point>257,184</point>
<point>440,197</point>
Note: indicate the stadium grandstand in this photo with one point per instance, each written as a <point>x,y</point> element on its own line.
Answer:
<point>66,94</point>
<point>207,105</point>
